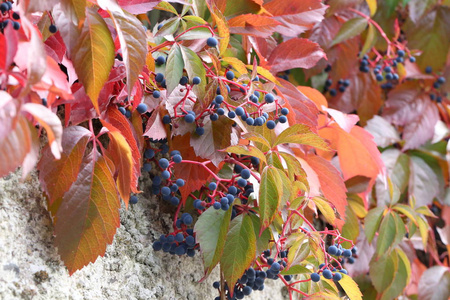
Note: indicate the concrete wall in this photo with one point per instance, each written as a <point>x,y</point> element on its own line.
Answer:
<point>30,267</point>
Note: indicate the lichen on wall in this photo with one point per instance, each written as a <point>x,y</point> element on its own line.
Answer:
<point>30,267</point>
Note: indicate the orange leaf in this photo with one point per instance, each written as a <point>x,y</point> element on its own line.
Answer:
<point>88,217</point>
<point>357,152</point>
<point>255,25</point>
<point>317,97</point>
<point>194,175</point>
<point>331,184</point>
<point>119,121</point>
<point>120,153</point>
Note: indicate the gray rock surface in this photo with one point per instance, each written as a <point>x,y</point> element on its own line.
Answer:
<point>30,267</point>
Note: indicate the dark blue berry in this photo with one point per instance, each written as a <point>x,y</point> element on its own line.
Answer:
<point>282,119</point>
<point>177,159</point>
<point>250,121</point>
<point>147,167</point>
<point>200,130</point>
<point>184,80</point>
<point>196,80</point>
<point>220,111</point>
<point>149,153</point>
<point>212,186</point>
<point>159,77</point>
<point>16,25</point>
<point>122,110</point>
<point>245,173</point>
<point>412,59</point>
<point>333,250</point>
<point>160,60</point>
<point>441,80</point>
<point>242,182</point>
<point>189,118</point>
<point>133,199</point>
<point>269,98</point>
<point>315,277</point>
<point>337,276</point>
<point>327,274</point>
<point>333,92</point>
<point>230,75</point>
<point>142,108</point>
<point>163,163</point>
<point>166,119</point>
<point>347,253</point>
<point>212,42</point>
<point>231,114</point>
<point>157,245</point>
<point>240,111</point>
<point>156,94</point>
<point>428,70</point>
<point>271,124</point>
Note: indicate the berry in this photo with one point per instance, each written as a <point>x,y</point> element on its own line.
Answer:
<point>142,108</point>
<point>412,59</point>
<point>216,284</point>
<point>219,99</point>
<point>212,186</point>
<point>333,92</point>
<point>4,7</point>
<point>128,114</point>
<point>157,245</point>
<point>160,60</point>
<point>231,114</point>
<point>165,174</point>
<point>379,77</point>
<point>187,219</point>
<point>175,201</point>
<point>284,111</point>
<point>179,237</point>
<point>163,163</point>
<point>245,173</point>
<point>159,77</point>
<point>250,121</point>
<point>341,89</point>
<point>147,167</point>
<point>350,260</point>
<point>156,94</point>
<point>232,190</point>
<point>347,253</point>
<point>240,111</point>
<point>217,205</point>
<point>16,25</point>
<point>165,191</point>
<point>271,124</point>
<point>269,98</point>
<point>214,117</point>
<point>180,250</point>
<point>254,160</point>
<point>275,267</point>
<point>441,80</point>
<point>242,182</point>
<point>343,271</point>
<point>327,274</point>
<point>387,69</point>
<point>166,119</point>
<point>401,53</point>
<point>184,80</point>
<point>189,118</point>
<point>149,153</point>
<point>315,277</point>
<point>196,80</point>
<point>133,199</point>
<point>389,76</point>
<point>282,119</point>
<point>247,290</point>
<point>200,130</point>
<point>122,110</point>
<point>230,75</point>
<point>212,42</point>
<point>220,111</point>
<point>288,277</point>
<point>177,159</point>
<point>428,70</point>
<point>337,276</point>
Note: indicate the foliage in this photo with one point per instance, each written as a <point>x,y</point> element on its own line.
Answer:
<point>293,137</point>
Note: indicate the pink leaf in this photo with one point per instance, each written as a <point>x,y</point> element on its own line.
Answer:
<point>138,6</point>
<point>295,53</point>
<point>8,47</point>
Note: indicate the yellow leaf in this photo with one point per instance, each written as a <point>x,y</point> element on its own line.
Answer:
<point>236,63</point>
<point>350,287</point>
<point>325,209</point>
<point>265,73</point>
<point>372,6</point>
<point>222,29</point>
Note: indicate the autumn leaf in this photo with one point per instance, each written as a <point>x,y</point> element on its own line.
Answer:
<point>136,7</point>
<point>295,53</point>
<point>93,55</point>
<point>88,216</point>
<point>194,175</point>
<point>133,43</point>
<point>254,25</point>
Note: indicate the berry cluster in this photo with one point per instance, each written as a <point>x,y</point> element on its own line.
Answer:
<point>330,271</point>
<point>180,242</point>
<point>7,16</point>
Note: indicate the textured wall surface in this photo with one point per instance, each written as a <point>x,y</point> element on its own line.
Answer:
<point>30,267</point>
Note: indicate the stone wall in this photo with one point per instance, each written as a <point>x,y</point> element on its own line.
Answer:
<point>30,267</point>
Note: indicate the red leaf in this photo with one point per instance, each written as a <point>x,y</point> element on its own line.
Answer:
<point>408,106</point>
<point>331,184</point>
<point>194,175</point>
<point>119,121</point>
<point>88,217</point>
<point>137,7</point>
<point>155,128</point>
<point>255,25</point>
<point>8,47</point>
<point>55,47</point>
<point>295,53</point>
<point>56,176</point>
<point>296,16</point>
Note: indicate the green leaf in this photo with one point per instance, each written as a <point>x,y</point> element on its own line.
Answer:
<point>195,34</point>
<point>166,6</point>
<point>407,211</point>
<point>424,210</point>
<point>260,141</point>
<point>169,27</point>
<point>299,251</point>
<point>211,231</point>
<point>262,241</point>
<point>194,67</point>
<point>382,270</point>
<point>372,222</point>
<point>174,68</point>
<point>239,250</point>
<point>326,209</point>
<point>351,227</point>
<point>351,28</point>
<point>247,150</point>
<point>133,42</point>
<point>401,276</point>
<point>88,217</point>
<point>294,168</point>
<point>194,19</point>
<point>423,229</point>
<point>301,134</point>
<point>350,287</point>
<point>296,269</point>
<point>93,55</point>
<point>269,196</point>
<point>387,233</point>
